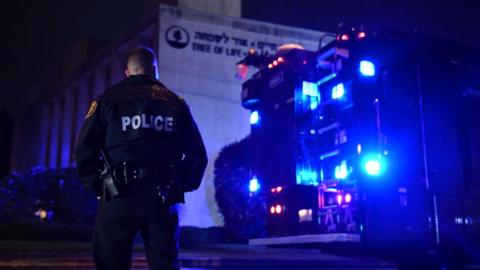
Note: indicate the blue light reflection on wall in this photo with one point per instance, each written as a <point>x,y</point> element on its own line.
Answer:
<point>54,134</point>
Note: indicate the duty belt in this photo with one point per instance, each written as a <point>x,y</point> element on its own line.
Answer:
<point>132,173</point>
<point>128,175</point>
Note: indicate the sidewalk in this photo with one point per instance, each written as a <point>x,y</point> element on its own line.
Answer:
<point>18,255</point>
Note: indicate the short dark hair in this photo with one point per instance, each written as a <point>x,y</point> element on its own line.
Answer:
<point>141,59</point>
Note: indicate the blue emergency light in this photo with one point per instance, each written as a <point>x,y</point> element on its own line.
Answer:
<point>310,91</point>
<point>254,117</point>
<point>254,185</point>
<point>341,171</point>
<point>367,68</point>
<point>307,177</point>
<point>338,91</point>
<point>374,165</point>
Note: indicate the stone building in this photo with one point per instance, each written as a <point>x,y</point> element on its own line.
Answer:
<point>197,52</point>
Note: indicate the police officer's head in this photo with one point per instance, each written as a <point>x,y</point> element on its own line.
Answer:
<point>141,60</point>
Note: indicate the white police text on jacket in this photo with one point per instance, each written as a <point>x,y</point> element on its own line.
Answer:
<point>156,122</point>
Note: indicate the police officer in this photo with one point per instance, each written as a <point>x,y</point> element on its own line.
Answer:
<point>147,136</point>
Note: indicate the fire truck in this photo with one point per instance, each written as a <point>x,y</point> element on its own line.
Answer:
<point>374,138</point>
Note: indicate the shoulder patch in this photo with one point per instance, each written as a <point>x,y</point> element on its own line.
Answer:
<point>156,87</point>
<point>91,109</point>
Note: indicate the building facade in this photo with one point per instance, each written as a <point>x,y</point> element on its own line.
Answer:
<point>197,53</point>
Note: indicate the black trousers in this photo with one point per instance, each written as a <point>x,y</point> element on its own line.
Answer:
<point>119,220</point>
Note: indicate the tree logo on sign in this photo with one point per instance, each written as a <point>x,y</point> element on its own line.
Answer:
<point>177,37</point>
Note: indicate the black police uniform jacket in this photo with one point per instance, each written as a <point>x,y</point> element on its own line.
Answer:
<point>140,121</point>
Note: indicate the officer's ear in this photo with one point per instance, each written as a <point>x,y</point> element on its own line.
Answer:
<point>127,73</point>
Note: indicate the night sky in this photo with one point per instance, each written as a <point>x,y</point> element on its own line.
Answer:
<point>457,20</point>
<point>35,34</point>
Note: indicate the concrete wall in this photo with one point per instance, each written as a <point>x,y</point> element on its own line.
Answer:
<point>232,8</point>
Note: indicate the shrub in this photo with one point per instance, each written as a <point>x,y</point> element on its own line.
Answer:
<point>58,192</point>
<point>244,213</point>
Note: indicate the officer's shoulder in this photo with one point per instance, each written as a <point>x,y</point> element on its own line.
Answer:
<point>173,95</point>
<point>111,93</point>
<point>98,101</point>
<point>104,98</point>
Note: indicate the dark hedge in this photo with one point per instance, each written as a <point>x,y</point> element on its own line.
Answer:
<point>58,192</point>
<point>72,210</point>
<point>244,213</point>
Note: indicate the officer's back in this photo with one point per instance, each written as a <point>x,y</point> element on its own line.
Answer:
<point>144,122</point>
<point>144,140</point>
<point>144,129</point>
